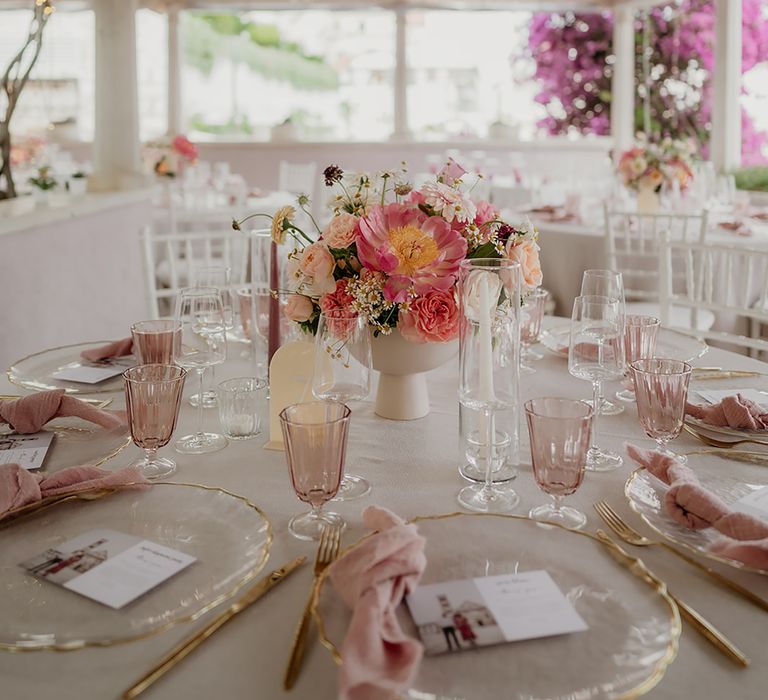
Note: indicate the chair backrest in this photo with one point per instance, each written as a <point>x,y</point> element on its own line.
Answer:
<point>170,261</point>
<point>727,280</point>
<point>298,178</point>
<point>633,245</point>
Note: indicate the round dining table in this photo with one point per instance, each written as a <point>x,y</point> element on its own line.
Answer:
<point>413,469</point>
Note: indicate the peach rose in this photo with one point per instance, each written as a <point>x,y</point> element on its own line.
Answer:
<point>340,231</point>
<point>433,318</point>
<point>299,308</point>
<point>318,263</point>
<point>526,252</point>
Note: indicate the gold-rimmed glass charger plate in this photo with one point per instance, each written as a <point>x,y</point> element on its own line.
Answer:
<point>730,481</point>
<point>229,536</point>
<point>36,371</point>
<point>633,629</point>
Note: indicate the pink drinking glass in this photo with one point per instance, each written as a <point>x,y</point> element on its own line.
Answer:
<point>640,334</point>
<point>315,436</point>
<point>152,398</point>
<point>531,316</point>
<point>560,434</point>
<point>661,390</point>
<point>156,342</point>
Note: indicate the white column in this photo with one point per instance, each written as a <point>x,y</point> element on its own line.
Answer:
<point>725,144</point>
<point>401,79</point>
<point>623,80</point>
<point>116,140</point>
<point>174,72</point>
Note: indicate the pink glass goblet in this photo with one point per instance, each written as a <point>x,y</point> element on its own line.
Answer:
<point>661,390</point>
<point>315,436</point>
<point>531,316</point>
<point>156,342</point>
<point>560,433</point>
<point>152,398</point>
<point>640,334</point>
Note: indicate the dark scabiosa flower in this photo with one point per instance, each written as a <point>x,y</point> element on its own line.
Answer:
<point>504,232</point>
<point>332,174</point>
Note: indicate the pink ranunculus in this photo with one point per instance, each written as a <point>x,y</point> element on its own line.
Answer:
<point>432,318</point>
<point>299,308</point>
<point>341,231</point>
<point>485,212</point>
<point>318,263</point>
<point>337,308</point>
<point>526,252</point>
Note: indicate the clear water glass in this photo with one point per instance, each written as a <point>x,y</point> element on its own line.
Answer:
<point>640,335</point>
<point>531,316</point>
<point>242,404</point>
<point>156,342</point>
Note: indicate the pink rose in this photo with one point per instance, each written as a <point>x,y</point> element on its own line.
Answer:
<point>299,308</point>
<point>433,318</point>
<point>340,231</point>
<point>318,263</point>
<point>526,252</point>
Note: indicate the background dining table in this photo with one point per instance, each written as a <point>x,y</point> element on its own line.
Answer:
<point>413,469</point>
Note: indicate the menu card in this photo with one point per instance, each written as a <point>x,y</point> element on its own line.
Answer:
<point>717,395</point>
<point>109,567</point>
<point>27,451</point>
<point>460,615</point>
<point>95,372</point>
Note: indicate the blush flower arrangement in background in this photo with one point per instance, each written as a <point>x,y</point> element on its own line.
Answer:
<point>391,253</point>
<point>651,165</point>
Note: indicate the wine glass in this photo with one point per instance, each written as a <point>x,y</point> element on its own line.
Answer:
<point>596,353</point>
<point>315,436</point>
<point>343,373</point>
<point>489,356</point>
<point>661,390</point>
<point>640,333</point>
<point>155,342</point>
<point>606,283</point>
<point>559,431</point>
<point>203,345</point>
<point>152,398</point>
<point>531,315</point>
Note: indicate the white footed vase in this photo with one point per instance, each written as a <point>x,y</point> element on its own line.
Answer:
<point>402,392</point>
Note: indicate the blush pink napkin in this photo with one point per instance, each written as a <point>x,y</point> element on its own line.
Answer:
<point>30,413</point>
<point>19,487</point>
<point>117,348</point>
<point>691,505</point>
<point>731,412</point>
<point>379,659</point>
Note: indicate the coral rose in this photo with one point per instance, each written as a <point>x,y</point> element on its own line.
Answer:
<point>526,252</point>
<point>340,231</point>
<point>318,263</point>
<point>338,311</point>
<point>299,308</point>
<point>433,318</point>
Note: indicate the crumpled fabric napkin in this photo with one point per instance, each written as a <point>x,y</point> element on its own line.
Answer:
<point>732,412</point>
<point>691,505</point>
<point>372,579</point>
<point>30,413</point>
<point>19,487</point>
<point>117,348</point>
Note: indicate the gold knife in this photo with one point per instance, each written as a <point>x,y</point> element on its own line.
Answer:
<point>187,646</point>
<point>704,373</point>
<point>702,626</point>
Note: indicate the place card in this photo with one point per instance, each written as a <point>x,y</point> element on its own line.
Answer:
<point>93,374</point>
<point>28,451</point>
<point>754,503</point>
<point>716,395</point>
<point>460,615</point>
<point>109,567</point>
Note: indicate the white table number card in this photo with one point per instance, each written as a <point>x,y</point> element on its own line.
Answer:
<point>460,615</point>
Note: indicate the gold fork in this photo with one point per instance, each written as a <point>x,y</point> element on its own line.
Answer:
<point>720,443</point>
<point>327,552</point>
<point>631,536</point>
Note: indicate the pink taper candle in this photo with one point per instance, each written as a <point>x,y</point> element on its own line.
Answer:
<point>274,304</point>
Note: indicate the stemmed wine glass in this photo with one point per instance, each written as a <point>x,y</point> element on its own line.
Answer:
<point>203,345</point>
<point>489,345</point>
<point>596,353</point>
<point>661,390</point>
<point>531,316</point>
<point>343,373</point>
<point>315,436</point>
<point>152,398</point>
<point>559,431</point>
<point>605,283</point>
<point>640,333</point>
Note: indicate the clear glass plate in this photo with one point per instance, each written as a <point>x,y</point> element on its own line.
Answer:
<point>646,495</point>
<point>633,629</point>
<point>229,536</point>
<point>721,432</point>
<point>36,371</point>
<point>670,344</point>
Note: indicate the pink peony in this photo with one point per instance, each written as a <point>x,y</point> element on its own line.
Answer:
<point>299,308</point>
<point>318,263</point>
<point>341,231</point>
<point>526,252</point>
<point>433,318</point>
<point>185,148</point>
<point>413,249</point>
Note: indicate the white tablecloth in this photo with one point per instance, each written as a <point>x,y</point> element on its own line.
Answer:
<point>413,468</point>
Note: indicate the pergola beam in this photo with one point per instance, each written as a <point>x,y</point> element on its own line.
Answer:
<point>726,103</point>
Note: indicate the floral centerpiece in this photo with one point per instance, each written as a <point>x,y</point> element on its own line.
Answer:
<point>165,158</point>
<point>650,165</point>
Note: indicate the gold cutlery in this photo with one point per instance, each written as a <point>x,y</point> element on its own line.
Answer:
<point>736,455</point>
<point>181,651</point>
<point>327,552</point>
<point>701,625</point>
<point>631,536</point>
<point>724,444</point>
<point>720,373</point>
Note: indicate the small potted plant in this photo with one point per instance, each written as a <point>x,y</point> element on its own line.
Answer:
<point>43,184</point>
<point>77,185</point>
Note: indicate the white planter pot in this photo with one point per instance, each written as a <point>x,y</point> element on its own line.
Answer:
<point>648,201</point>
<point>402,393</point>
